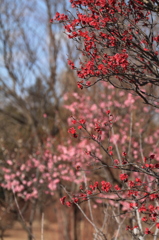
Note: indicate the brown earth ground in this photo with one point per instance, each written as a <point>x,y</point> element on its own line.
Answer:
<point>50,232</point>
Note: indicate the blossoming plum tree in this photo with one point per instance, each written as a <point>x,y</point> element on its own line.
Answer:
<point>119,44</point>
<point>113,147</point>
<point>129,147</point>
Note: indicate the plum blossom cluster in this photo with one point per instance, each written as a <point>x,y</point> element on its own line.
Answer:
<point>95,130</point>
<point>93,190</point>
<point>116,47</point>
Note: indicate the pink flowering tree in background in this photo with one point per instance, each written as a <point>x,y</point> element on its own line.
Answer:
<point>35,183</point>
<point>119,44</point>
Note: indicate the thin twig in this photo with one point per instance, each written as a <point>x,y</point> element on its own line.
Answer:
<point>20,214</point>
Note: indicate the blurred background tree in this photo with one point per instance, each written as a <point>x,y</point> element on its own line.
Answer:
<point>33,77</point>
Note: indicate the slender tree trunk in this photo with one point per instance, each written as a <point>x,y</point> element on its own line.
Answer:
<point>76,223</point>
<point>2,234</point>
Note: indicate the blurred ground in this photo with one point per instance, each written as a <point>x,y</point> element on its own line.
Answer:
<point>17,233</point>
